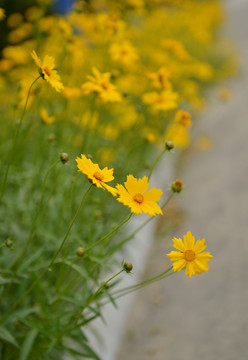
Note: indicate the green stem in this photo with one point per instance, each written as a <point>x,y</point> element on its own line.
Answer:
<point>51,262</point>
<point>69,228</point>
<point>90,300</point>
<point>109,234</point>
<point>124,241</point>
<point>32,230</point>
<point>19,124</point>
<point>155,163</point>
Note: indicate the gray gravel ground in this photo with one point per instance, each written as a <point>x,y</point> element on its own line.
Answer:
<point>205,317</point>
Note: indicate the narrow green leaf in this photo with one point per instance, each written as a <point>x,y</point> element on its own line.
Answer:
<point>19,314</point>
<point>27,344</point>
<point>6,335</point>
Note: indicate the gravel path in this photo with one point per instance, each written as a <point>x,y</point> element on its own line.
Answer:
<point>205,317</point>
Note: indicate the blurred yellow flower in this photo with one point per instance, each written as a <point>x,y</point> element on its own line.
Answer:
<point>123,52</point>
<point>14,20</point>
<point>178,134</point>
<point>166,100</point>
<point>190,254</point>
<point>160,78</point>
<point>2,14</point>
<point>45,117</point>
<point>100,84</point>
<point>47,71</point>
<point>183,117</point>
<point>97,176</point>
<point>136,196</point>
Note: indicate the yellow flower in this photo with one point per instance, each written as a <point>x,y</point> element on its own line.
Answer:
<point>98,177</point>
<point>166,100</point>
<point>160,78</point>
<point>100,84</point>
<point>178,134</point>
<point>183,117</point>
<point>123,52</point>
<point>2,14</point>
<point>136,196</point>
<point>190,255</point>
<point>47,71</point>
<point>45,117</point>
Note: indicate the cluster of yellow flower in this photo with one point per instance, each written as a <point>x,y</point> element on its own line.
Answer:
<point>136,195</point>
<point>148,59</point>
<point>150,65</point>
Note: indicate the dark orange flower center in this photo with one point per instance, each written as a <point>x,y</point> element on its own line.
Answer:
<point>104,86</point>
<point>160,100</point>
<point>97,175</point>
<point>47,70</point>
<point>139,198</point>
<point>189,255</point>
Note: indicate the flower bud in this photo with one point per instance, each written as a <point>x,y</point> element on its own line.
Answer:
<point>80,251</point>
<point>9,243</point>
<point>64,157</point>
<point>128,266</point>
<point>169,145</point>
<point>51,137</point>
<point>177,186</point>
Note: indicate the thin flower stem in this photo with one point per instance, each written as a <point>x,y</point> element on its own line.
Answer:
<point>51,262</point>
<point>89,301</point>
<point>155,163</point>
<point>142,225</point>
<point>92,298</point>
<point>141,285</point>
<point>86,131</point>
<point>33,227</point>
<point>19,124</point>
<point>110,233</point>
<point>70,226</point>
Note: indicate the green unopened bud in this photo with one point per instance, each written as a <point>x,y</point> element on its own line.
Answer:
<point>177,186</point>
<point>64,157</point>
<point>169,145</point>
<point>9,243</point>
<point>80,251</point>
<point>128,267</point>
<point>51,137</point>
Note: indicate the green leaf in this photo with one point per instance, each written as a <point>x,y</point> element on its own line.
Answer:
<point>19,314</point>
<point>6,335</point>
<point>75,267</point>
<point>27,344</point>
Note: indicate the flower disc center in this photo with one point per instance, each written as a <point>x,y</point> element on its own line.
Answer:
<point>47,70</point>
<point>104,86</point>
<point>139,198</point>
<point>97,175</point>
<point>189,255</point>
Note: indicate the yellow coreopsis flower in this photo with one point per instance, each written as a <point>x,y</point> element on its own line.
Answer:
<point>178,134</point>
<point>45,117</point>
<point>100,84</point>
<point>136,196</point>
<point>47,71</point>
<point>190,254</point>
<point>183,117</point>
<point>166,100</point>
<point>123,52</point>
<point>2,14</point>
<point>160,78</point>
<point>98,177</point>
